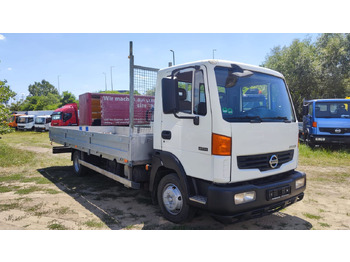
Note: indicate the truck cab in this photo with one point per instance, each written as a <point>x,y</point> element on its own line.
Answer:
<point>326,121</point>
<point>14,120</point>
<point>65,116</point>
<point>231,130</point>
<point>42,123</point>
<point>26,122</point>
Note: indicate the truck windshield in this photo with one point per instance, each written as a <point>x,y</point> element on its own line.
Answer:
<point>40,120</point>
<point>332,109</point>
<point>253,97</point>
<point>23,120</point>
<point>57,116</point>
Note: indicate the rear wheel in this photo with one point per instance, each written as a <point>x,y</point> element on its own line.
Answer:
<point>172,200</point>
<point>79,169</point>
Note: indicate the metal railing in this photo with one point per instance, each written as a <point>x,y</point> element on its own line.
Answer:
<point>143,82</point>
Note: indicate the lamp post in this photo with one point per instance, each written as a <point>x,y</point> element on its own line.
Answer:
<point>173,56</point>
<point>213,52</point>
<point>111,78</point>
<point>105,80</point>
<point>58,80</point>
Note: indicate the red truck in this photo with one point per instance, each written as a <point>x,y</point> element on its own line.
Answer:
<point>66,115</point>
<point>100,109</point>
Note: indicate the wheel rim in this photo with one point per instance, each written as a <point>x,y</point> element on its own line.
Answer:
<point>172,199</point>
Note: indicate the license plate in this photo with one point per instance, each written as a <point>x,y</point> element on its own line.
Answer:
<point>277,193</point>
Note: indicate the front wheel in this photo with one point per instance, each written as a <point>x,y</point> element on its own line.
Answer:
<point>172,200</point>
<point>79,169</point>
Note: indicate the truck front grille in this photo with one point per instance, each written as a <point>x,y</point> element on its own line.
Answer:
<point>262,162</point>
<point>334,130</point>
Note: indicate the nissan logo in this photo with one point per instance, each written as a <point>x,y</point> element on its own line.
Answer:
<point>273,161</point>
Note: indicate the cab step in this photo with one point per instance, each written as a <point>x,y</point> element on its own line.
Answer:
<point>199,199</point>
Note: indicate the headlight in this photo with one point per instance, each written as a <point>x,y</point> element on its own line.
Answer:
<point>300,183</point>
<point>245,197</point>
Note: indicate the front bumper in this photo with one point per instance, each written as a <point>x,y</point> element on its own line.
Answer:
<point>221,198</point>
<point>327,139</point>
<point>40,129</point>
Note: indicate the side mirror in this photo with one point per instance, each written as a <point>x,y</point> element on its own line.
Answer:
<point>305,110</point>
<point>170,96</point>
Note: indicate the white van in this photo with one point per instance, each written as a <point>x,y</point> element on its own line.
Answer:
<point>26,122</point>
<point>42,123</point>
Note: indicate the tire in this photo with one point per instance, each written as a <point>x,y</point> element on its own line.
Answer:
<point>308,142</point>
<point>173,200</point>
<point>79,170</point>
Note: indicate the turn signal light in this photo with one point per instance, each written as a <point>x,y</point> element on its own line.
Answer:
<point>221,145</point>
<point>314,124</point>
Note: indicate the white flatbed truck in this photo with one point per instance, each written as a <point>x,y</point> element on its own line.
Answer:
<point>224,138</point>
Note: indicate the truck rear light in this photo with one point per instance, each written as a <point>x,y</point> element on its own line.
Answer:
<point>314,124</point>
<point>221,145</point>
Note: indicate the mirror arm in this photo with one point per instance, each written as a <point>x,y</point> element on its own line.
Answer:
<point>195,118</point>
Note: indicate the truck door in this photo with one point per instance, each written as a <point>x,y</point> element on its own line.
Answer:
<point>307,120</point>
<point>189,142</point>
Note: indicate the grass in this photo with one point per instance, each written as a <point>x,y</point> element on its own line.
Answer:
<point>55,225</point>
<point>323,156</point>
<point>94,224</point>
<point>6,207</point>
<point>21,177</point>
<point>28,138</point>
<point>10,156</point>
<point>324,224</point>
<point>311,216</point>
<point>28,190</point>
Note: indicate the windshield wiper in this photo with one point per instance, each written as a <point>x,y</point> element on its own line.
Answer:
<point>286,120</point>
<point>253,119</point>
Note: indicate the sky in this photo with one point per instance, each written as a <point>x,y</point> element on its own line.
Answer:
<point>81,62</point>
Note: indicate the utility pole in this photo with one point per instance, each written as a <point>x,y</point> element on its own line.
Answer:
<point>213,52</point>
<point>105,80</point>
<point>111,78</point>
<point>58,80</point>
<point>173,56</point>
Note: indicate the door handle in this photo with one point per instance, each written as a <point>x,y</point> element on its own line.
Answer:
<point>166,134</point>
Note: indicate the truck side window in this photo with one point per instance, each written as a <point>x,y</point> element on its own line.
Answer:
<point>199,102</point>
<point>185,91</point>
<point>67,116</point>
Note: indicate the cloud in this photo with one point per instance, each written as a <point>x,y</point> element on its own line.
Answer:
<point>2,37</point>
<point>9,69</point>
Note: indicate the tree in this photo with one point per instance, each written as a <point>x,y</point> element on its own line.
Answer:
<point>298,65</point>
<point>35,103</point>
<point>121,92</point>
<point>333,51</point>
<point>314,70</point>
<point>42,96</point>
<point>5,94</point>
<point>67,98</point>
<point>42,88</point>
<point>16,106</point>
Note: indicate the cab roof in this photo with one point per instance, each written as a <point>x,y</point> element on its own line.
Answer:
<point>225,63</point>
